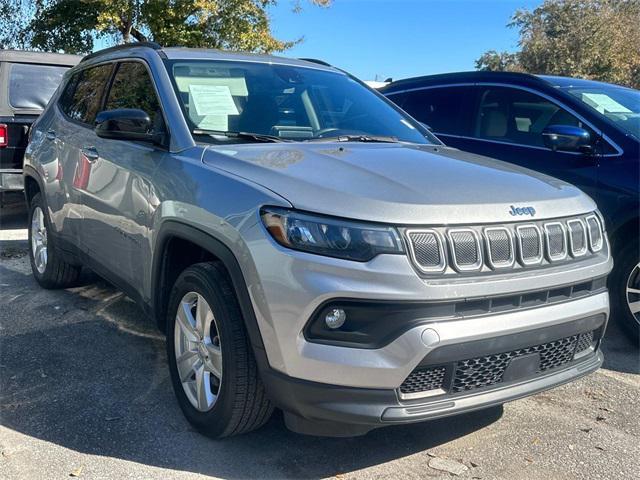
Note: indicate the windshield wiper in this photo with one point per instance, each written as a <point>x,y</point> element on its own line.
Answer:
<point>357,138</point>
<point>258,137</point>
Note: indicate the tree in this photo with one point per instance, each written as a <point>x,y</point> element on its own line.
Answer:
<point>595,39</point>
<point>73,26</point>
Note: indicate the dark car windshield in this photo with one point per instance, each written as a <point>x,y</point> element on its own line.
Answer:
<point>618,104</point>
<point>31,86</point>
<point>286,103</point>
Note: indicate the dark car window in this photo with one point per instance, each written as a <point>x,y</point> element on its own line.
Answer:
<point>517,116</point>
<point>82,97</point>
<point>31,86</point>
<point>133,88</point>
<point>442,109</point>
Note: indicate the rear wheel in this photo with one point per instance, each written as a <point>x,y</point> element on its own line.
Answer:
<point>49,268</point>
<point>625,289</point>
<point>213,371</point>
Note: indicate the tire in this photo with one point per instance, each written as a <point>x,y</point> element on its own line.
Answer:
<point>626,274</point>
<point>240,404</point>
<point>47,264</point>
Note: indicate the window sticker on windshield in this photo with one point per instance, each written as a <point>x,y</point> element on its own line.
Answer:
<point>604,103</point>
<point>237,85</point>
<point>212,100</point>
<point>214,122</point>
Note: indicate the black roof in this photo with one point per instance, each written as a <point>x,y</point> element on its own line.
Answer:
<point>24,56</point>
<point>464,77</point>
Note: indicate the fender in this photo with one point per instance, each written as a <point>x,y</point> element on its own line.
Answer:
<point>173,229</point>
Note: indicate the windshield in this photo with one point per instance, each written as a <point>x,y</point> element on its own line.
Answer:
<point>618,104</point>
<point>286,103</point>
<point>31,86</point>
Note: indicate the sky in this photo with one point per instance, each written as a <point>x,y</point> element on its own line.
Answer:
<point>376,39</point>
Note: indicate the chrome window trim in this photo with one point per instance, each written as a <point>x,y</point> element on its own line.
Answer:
<point>490,261</point>
<point>578,253</point>
<point>593,248</point>
<point>537,260</point>
<point>443,262</point>
<point>564,254</point>
<point>465,268</point>
<point>560,104</point>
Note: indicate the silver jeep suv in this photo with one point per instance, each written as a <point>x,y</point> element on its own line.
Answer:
<point>307,245</point>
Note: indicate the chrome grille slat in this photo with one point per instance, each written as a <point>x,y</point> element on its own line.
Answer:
<point>513,245</point>
<point>577,237</point>
<point>530,244</point>
<point>556,241</point>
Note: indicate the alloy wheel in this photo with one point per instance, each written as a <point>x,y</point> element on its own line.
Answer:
<point>633,292</point>
<point>198,351</point>
<point>39,240</point>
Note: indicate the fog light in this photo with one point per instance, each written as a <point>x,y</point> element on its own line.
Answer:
<point>335,318</point>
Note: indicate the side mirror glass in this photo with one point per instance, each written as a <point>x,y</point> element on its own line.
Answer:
<point>567,138</point>
<point>125,124</point>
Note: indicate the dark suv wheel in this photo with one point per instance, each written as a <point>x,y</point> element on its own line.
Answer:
<point>625,289</point>
<point>213,370</point>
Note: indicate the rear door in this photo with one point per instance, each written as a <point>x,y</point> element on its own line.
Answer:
<point>70,131</point>
<point>117,190</point>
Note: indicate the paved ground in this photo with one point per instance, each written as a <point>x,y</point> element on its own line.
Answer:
<point>84,392</point>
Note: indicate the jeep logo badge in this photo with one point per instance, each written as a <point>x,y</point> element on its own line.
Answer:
<point>518,211</point>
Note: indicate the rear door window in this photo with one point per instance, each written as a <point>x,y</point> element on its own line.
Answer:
<point>82,98</point>
<point>444,109</point>
<point>31,86</point>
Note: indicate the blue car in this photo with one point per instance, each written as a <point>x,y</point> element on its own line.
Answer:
<point>581,131</point>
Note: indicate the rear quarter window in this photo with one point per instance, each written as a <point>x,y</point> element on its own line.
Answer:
<point>31,86</point>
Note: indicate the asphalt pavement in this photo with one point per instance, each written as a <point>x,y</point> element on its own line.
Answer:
<point>85,392</point>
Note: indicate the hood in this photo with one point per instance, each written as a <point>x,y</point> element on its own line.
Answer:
<point>397,183</point>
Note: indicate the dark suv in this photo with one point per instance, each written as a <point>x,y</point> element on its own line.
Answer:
<point>27,81</point>
<point>581,131</point>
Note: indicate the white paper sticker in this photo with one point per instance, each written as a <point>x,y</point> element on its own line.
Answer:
<point>212,100</point>
<point>214,122</point>
<point>604,103</point>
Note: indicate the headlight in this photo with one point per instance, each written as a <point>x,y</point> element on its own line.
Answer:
<point>330,236</point>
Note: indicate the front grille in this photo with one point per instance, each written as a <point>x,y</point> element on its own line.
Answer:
<point>577,238</point>
<point>487,370</point>
<point>427,250</point>
<point>499,247</point>
<point>556,241</point>
<point>482,249</point>
<point>465,249</point>
<point>424,381</point>
<point>595,233</point>
<point>530,244</point>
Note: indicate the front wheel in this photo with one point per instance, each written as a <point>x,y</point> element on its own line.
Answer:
<point>625,289</point>
<point>213,370</point>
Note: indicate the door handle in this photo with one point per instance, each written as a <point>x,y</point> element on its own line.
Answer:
<point>50,135</point>
<point>90,153</point>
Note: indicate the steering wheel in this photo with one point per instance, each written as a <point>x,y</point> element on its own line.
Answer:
<point>337,132</point>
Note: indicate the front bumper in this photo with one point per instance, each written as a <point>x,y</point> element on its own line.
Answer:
<point>320,409</point>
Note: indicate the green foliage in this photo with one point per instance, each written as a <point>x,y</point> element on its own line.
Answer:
<point>73,25</point>
<point>596,39</point>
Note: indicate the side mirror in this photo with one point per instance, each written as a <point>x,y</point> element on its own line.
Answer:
<point>567,138</point>
<point>126,124</point>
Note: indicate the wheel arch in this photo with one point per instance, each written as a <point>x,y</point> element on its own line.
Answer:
<point>32,183</point>
<point>163,275</point>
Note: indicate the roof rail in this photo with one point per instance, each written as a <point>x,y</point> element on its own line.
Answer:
<point>315,60</point>
<point>153,45</point>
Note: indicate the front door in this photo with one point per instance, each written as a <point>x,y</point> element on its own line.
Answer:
<point>117,192</point>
